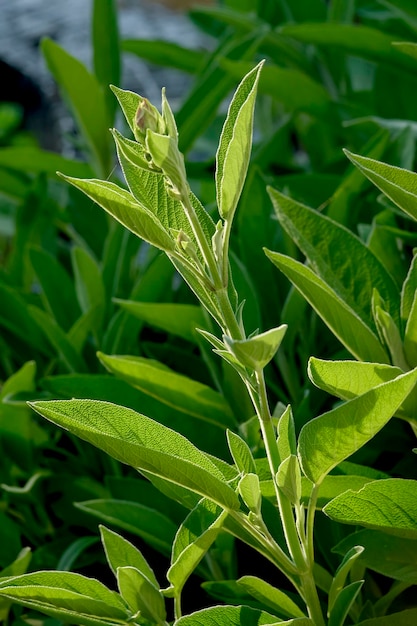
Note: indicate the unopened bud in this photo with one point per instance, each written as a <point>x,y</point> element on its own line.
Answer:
<point>148,117</point>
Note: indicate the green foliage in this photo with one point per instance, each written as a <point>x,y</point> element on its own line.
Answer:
<point>186,455</point>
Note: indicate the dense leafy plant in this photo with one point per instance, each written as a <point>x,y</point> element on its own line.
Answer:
<point>268,501</point>
<point>69,289</point>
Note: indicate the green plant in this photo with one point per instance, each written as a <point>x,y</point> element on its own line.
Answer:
<point>270,501</point>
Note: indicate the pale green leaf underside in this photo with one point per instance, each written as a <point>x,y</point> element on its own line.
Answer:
<point>124,208</point>
<point>326,441</point>
<point>142,443</point>
<point>120,552</point>
<point>389,505</point>
<point>348,327</point>
<point>233,153</point>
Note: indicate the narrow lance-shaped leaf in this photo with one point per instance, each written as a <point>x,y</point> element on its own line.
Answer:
<point>194,537</point>
<point>141,594</point>
<point>398,184</point>
<point>338,256</point>
<point>344,322</point>
<point>67,596</point>
<point>142,443</point>
<point>121,205</point>
<point>270,596</point>
<point>326,441</point>
<point>342,572</point>
<point>84,94</point>
<point>175,390</point>
<point>233,154</point>
<point>120,552</point>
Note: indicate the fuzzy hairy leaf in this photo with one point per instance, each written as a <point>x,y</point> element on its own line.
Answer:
<point>326,441</point>
<point>142,443</point>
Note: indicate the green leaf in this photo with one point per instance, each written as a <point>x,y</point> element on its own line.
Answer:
<point>286,442</point>
<point>397,184</point>
<point>389,555</point>
<point>250,492</point>
<point>349,379</point>
<point>234,616</point>
<point>59,340</point>
<point>354,39</point>
<point>57,287</point>
<point>31,159</point>
<point>389,505</point>
<point>179,319</point>
<point>408,291</point>
<point>89,285</point>
<point>338,257</point>
<point>122,206</point>
<point>120,553</point>
<point>343,321</point>
<point>141,594</point>
<point>166,53</point>
<point>331,438</point>
<point>410,335</point>
<point>106,53</point>
<point>144,521</point>
<point>233,154</point>
<point>270,596</point>
<point>175,390</point>
<point>192,541</point>
<point>343,603</point>
<point>403,618</point>
<point>342,572</point>
<point>257,351</point>
<point>142,443</point>
<point>241,453</point>
<point>288,479</point>
<point>85,97</point>
<point>67,596</point>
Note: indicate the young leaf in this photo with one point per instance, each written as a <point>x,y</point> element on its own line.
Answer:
<point>331,438</point>
<point>398,184</point>
<point>85,96</point>
<point>389,505</point>
<point>343,603</point>
<point>175,390</point>
<point>122,206</point>
<point>389,555</point>
<point>250,492</point>
<point>142,443</point>
<point>342,572</point>
<point>257,351</point>
<point>235,144</point>
<point>241,453</point>
<point>288,478</point>
<point>286,442</point>
<point>410,335</point>
<point>141,594</point>
<point>194,537</point>
<point>344,322</point>
<point>270,596</point>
